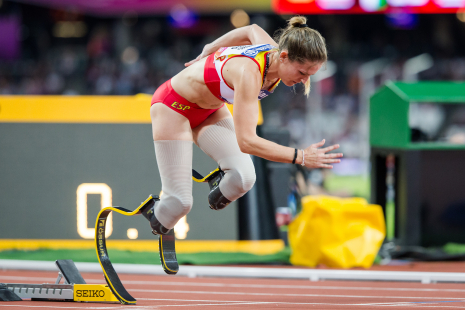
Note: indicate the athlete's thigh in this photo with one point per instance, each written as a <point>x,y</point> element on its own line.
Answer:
<point>168,124</point>
<point>214,118</point>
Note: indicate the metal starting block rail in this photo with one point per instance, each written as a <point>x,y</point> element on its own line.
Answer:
<point>74,288</point>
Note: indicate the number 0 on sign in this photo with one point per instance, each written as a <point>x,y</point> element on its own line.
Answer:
<point>106,201</point>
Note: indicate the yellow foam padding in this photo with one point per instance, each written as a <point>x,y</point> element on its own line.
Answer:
<point>336,232</point>
<point>93,293</point>
<point>80,109</point>
<point>259,247</point>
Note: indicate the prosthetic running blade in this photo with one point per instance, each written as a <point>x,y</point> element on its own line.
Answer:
<point>111,277</point>
<point>197,177</point>
<point>167,250</point>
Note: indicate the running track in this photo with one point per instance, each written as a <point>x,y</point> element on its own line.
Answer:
<point>175,292</point>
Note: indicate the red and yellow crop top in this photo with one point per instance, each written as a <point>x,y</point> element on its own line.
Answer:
<point>213,71</point>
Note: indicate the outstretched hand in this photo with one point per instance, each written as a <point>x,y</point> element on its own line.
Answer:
<point>205,52</point>
<point>187,64</point>
<point>317,158</point>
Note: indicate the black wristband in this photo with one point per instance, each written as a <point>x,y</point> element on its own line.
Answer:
<point>295,156</point>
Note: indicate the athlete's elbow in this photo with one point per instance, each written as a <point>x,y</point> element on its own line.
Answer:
<point>254,30</point>
<point>245,145</point>
<point>254,27</point>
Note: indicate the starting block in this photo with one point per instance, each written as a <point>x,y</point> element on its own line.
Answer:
<point>74,288</point>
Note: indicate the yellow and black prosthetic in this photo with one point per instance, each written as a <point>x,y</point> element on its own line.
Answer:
<point>166,249</point>
<point>216,199</point>
<point>197,177</point>
<point>166,241</point>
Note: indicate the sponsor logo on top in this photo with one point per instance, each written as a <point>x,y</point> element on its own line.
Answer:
<point>252,52</point>
<point>219,51</point>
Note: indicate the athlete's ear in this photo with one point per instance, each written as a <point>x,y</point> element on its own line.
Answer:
<point>283,56</point>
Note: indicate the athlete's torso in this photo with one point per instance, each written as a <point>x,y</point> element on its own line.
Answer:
<point>191,83</point>
<point>213,70</point>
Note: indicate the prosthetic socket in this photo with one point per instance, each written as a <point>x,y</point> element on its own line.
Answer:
<point>157,227</point>
<point>216,199</point>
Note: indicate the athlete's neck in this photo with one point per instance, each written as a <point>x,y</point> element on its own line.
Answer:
<point>273,68</point>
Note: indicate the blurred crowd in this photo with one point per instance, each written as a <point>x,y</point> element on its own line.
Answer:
<point>135,54</point>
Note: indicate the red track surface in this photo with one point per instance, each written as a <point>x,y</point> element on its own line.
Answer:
<point>168,292</point>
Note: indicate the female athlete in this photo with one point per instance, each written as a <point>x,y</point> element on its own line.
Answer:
<point>239,68</point>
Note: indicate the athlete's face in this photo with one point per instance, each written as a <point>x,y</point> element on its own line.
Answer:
<point>293,72</point>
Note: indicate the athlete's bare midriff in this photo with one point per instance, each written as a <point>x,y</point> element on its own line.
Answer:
<point>190,84</point>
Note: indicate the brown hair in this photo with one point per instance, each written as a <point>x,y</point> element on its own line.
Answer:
<point>302,43</point>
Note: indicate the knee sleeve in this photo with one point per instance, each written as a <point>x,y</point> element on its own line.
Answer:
<point>220,143</point>
<point>239,176</point>
<point>174,159</point>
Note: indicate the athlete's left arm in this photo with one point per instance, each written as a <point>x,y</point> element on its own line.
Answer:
<point>246,80</point>
<point>249,35</point>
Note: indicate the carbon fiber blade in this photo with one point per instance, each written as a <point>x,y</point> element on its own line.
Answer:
<point>168,252</point>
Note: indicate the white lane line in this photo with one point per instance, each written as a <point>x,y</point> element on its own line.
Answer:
<point>423,306</point>
<point>269,286</point>
<point>82,307</point>
<point>70,307</point>
<point>292,295</point>
<point>218,304</point>
<point>290,302</point>
<point>401,302</point>
<point>314,304</point>
<point>195,300</point>
<point>442,306</point>
<point>232,303</point>
<point>280,302</point>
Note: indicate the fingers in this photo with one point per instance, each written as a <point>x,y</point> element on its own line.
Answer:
<point>319,144</point>
<point>319,158</point>
<point>333,155</point>
<point>187,64</point>
<point>330,148</point>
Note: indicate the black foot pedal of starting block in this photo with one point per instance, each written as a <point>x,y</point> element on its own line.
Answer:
<point>7,295</point>
<point>166,244</point>
<point>69,271</point>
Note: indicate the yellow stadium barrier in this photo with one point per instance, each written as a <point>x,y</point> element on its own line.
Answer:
<point>81,109</point>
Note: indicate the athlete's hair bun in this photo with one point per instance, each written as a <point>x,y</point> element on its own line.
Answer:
<point>296,21</point>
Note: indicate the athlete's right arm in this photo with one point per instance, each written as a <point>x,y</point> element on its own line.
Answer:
<point>249,35</point>
<point>247,83</point>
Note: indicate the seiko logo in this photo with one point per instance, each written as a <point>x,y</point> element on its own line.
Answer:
<point>90,293</point>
